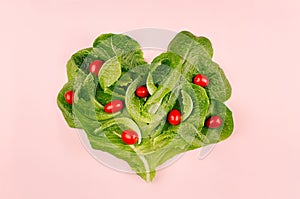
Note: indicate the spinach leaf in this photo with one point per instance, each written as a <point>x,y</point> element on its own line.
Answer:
<point>86,108</point>
<point>78,63</point>
<point>154,101</point>
<point>109,73</point>
<point>134,104</point>
<point>169,141</point>
<point>172,142</point>
<point>151,87</point>
<point>111,143</point>
<point>104,129</point>
<point>200,105</point>
<point>123,123</point>
<point>196,55</point>
<point>166,62</point>
<point>226,129</point>
<point>128,50</point>
<point>187,104</point>
<point>102,97</point>
<point>200,42</point>
<point>125,80</point>
<point>104,48</point>
<point>66,108</point>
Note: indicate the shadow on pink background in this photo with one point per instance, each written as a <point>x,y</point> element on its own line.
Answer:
<point>256,43</point>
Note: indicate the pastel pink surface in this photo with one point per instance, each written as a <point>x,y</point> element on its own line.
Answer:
<point>256,43</point>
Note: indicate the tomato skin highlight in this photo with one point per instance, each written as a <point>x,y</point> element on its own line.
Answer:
<point>142,92</point>
<point>69,97</point>
<point>129,137</point>
<point>201,80</point>
<point>113,106</point>
<point>174,117</point>
<point>213,122</point>
<point>95,66</point>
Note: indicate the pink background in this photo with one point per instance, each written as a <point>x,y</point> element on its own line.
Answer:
<point>256,42</point>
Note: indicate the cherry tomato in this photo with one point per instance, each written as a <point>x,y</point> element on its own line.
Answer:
<point>113,106</point>
<point>129,137</point>
<point>142,92</point>
<point>95,66</point>
<point>69,97</point>
<point>174,117</point>
<point>213,122</point>
<point>201,80</point>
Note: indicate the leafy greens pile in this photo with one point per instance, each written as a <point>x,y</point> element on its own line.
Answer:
<point>169,80</point>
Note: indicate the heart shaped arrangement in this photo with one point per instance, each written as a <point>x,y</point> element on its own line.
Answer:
<point>147,113</point>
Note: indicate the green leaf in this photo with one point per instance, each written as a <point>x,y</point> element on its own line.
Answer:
<point>161,68</point>
<point>102,97</point>
<point>226,129</point>
<point>125,152</point>
<point>172,142</point>
<point>150,84</point>
<point>134,104</point>
<point>187,104</point>
<point>154,101</point>
<point>200,104</point>
<point>109,73</point>
<point>86,108</point>
<point>77,64</point>
<point>123,124</point>
<point>198,42</point>
<point>187,46</point>
<point>167,62</point>
<point>128,50</point>
<point>125,80</point>
<point>66,108</point>
<point>205,42</point>
<point>196,58</point>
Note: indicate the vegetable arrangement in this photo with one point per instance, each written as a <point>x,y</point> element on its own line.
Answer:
<point>146,113</point>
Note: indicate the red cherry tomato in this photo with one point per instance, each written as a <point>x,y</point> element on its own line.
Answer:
<point>201,80</point>
<point>213,122</point>
<point>129,137</point>
<point>174,117</point>
<point>142,92</point>
<point>95,66</point>
<point>113,106</point>
<point>69,97</point>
